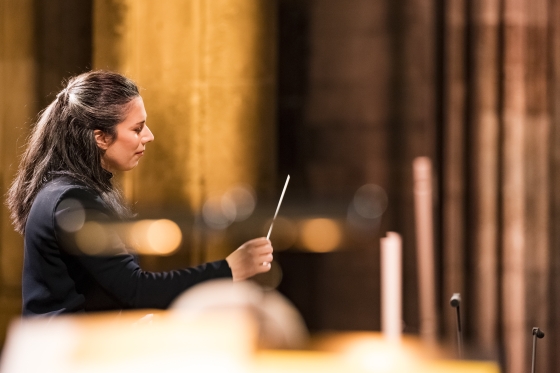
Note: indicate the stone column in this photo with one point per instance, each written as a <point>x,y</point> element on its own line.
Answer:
<point>553,304</point>
<point>538,174</point>
<point>17,110</point>
<point>514,162</point>
<point>206,69</point>
<point>452,168</point>
<point>483,173</point>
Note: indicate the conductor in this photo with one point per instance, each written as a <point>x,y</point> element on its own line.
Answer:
<point>94,127</point>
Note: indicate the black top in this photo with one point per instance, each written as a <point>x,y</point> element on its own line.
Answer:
<point>58,278</point>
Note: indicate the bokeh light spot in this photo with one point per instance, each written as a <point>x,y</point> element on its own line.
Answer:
<point>320,235</point>
<point>155,237</point>
<point>219,212</point>
<point>164,237</point>
<point>244,199</point>
<point>73,215</point>
<point>92,239</point>
<point>370,201</point>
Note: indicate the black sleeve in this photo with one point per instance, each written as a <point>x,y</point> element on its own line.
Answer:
<point>113,268</point>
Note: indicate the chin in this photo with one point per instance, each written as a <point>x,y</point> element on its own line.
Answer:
<point>128,167</point>
<point>133,166</point>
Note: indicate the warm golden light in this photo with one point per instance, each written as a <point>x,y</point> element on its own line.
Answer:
<point>320,235</point>
<point>92,239</point>
<point>378,356</point>
<point>155,237</point>
<point>164,236</point>
<point>217,341</point>
<point>371,352</point>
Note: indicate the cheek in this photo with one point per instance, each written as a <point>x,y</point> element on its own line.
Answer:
<point>128,144</point>
<point>122,150</point>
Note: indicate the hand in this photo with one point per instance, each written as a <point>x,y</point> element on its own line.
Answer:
<point>250,258</point>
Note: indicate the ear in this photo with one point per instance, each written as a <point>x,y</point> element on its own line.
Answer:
<point>102,139</point>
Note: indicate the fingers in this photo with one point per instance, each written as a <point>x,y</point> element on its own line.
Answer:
<point>252,257</point>
<point>264,267</point>
<point>263,262</point>
<point>265,258</point>
<point>262,248</point>
<point>257,242</point>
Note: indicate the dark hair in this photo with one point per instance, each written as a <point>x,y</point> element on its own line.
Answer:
<point>62,141</point>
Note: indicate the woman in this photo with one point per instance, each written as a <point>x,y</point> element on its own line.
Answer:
<point>95,126</point>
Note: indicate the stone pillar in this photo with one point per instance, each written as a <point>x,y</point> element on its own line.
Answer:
<point>17,110</point>
<point>553,304</point>
<point>484,171</point>
<point>538,176</point>
<point>452,170</point>
<point>206,69</point>
<point>514,162</point>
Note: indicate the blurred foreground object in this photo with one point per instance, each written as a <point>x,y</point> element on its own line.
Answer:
<point>214,327</point>
<point>391,286</point>
<point>423,207</point>
<point>278,323</point>
<point>130,342</point>
<point>372,352</point>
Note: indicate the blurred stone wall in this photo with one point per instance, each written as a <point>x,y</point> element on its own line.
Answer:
<point>357,90</point>
<point>41,43</point>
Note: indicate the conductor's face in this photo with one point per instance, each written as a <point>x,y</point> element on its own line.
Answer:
<point>123,152</point>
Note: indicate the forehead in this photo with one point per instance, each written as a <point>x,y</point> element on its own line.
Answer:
<point>135,111</point>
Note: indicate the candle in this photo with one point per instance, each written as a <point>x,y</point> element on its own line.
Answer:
<point>391,286</point>
<point>425,247</point>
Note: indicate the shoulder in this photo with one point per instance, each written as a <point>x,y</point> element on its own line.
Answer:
<point>60,185</point>
<point>63,189</point>
<point>63,194</point>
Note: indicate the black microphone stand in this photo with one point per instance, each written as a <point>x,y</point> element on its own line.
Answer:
<point>537,333</point>
<point>455,302</point>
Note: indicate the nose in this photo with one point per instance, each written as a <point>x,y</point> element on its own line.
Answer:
<point>147,135</point>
